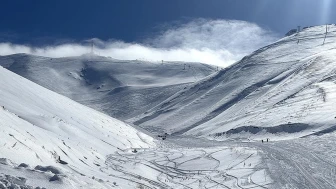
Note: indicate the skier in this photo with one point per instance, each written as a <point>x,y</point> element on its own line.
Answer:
<point>262,141</point>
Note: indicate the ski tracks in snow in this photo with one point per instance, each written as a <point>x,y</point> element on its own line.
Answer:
<point>296,165</point>
<point>186,168</point>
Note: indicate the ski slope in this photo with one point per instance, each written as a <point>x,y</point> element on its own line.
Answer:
<point>281,91</point>
<point>300,163</point>
<point>121,89</point>
<point>50,141</point>
<point>221,167</point>
<point>37,126</point>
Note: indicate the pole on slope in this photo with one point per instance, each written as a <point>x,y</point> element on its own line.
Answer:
<point>325,36</point>
<point>91,46</point>
<point>297,31</point>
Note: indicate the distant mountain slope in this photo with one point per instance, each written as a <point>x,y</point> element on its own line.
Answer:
<point>286,87</point>
<point>37,126</point>
<point>122,89</point>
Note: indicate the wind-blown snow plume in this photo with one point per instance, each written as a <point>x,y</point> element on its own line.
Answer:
<point>218,42</point>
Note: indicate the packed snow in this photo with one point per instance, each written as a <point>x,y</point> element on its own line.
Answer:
<point>220,167</point>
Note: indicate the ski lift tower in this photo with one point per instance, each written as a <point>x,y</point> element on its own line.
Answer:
<point>92,47</point>
<point>298,29</point>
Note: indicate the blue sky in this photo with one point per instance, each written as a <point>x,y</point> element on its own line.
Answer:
<point>40,23</point>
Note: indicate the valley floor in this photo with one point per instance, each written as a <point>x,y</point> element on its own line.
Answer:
<point>298,163</point>
<point>213,167</point>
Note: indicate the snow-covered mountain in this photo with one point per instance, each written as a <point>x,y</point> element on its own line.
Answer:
<point>50,141</point>
<point>121,89</point>
<point>286,87</point>
<point>39,127</point>
<point>284,90</point>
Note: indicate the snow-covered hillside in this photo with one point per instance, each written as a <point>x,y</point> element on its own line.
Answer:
<point>38,126</point>
<point>287,87</point>
<point>121,89</point>
<point>283,91</point>
<point>50,141</point>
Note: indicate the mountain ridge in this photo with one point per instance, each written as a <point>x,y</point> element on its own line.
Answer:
<point>255,85</point>
<point>119,88</point>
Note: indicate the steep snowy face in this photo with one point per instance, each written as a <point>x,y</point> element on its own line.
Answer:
<point>121,89</point>
<point>38,126</point>
<point>287,87</point>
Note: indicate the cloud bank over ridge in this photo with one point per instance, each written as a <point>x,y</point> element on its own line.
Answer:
<point>217,42</point>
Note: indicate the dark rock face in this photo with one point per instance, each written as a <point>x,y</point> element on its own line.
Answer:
<point>291,32</point>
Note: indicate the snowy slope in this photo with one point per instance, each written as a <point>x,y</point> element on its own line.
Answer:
<point>121,89</point>
<point>37,126</point>
<point>285,88</point>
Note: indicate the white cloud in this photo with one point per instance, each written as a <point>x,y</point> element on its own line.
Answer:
<point>8,48</point>
<point>218,42</point>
